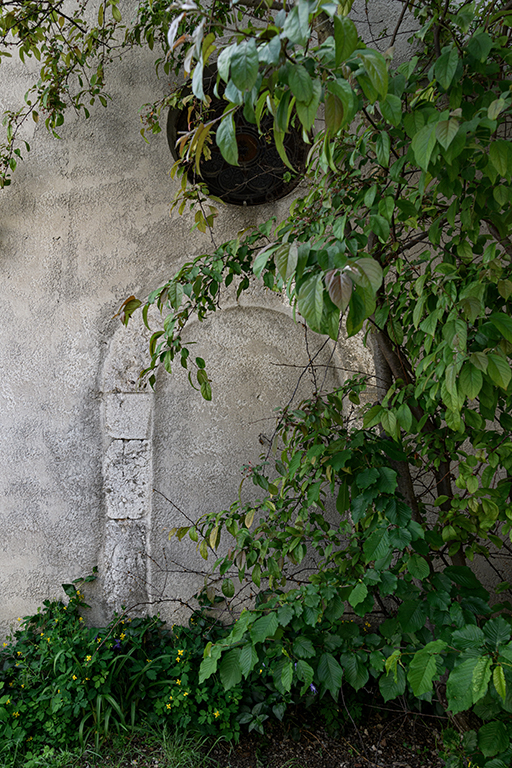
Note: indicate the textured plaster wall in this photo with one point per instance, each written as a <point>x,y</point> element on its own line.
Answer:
<point>85,224</point>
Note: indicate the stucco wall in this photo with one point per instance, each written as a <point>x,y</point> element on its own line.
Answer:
<point>85,224</point>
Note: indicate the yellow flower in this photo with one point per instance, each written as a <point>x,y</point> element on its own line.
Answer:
<point>17,664</point>
<point>19,653</point>
<point>48,639</point>
<point>178,682</point>
<point>65,607</point>
<point>19,619</point>
<point>178,658</point>
<point>23,685</point>
<point>122,635</point>
<point>88,658</point>
<point>170,698</point>
<point>5,645</point>
<point>168,706</point>
<point>80,619</point>
<point>8,701</point>
<point>11,683</point>
<point>148,661</point>
<point>74,677</point>
<point>42,634</point>
<point>15,714</point>
<point>216,713</point>
<point>180,653</point>
<point>98,640</point>
<point>87,678</point>
<point>185,693</point>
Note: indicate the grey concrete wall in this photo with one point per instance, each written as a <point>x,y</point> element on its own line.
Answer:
<point>84,225</point>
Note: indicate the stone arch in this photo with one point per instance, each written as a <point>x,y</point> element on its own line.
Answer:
<point>130,435</point>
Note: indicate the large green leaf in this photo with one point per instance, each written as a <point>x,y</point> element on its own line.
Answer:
<point>307,112</point>
<point>345,38</point>
<point>376,545</point>
<point>355,670</point>
<point>499,370</point>
<point>391,108</point>
<point>330,674</point>
<point>230,670</point>
<point>446,130</point>
<point>226,139</point>
<point>244,64</point>
<point>300,83</point>
<point>391,688</point>
<point>445,67</point>
<point>481,678</point>
<point>459,686</point>
<point>422,670</point>
<point>503,323</point>
<point>423,144</point>
<point>493,738</point>
<point>264,627</point>
<point>311,301</point>
<point>376,69</point>
<point>470,381</point>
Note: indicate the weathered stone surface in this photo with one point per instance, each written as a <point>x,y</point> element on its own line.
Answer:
<point>127,473</point>
<point>128,416</point>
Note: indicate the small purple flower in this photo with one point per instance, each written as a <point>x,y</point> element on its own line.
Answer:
<point>117,645</point>
<point>313,689</point>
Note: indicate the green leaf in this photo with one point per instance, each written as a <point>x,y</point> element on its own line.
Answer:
<point>304,672</point>
<point>310,301</point>
<point>423,144</point>
<point>503,323</point>
<point>303,647</point>
<point>418,567</point>
<point>358,594</point>
<point>445,68</point>
<point>493,738</point>
<point>446,130</point>
<point>334,113</point>
<point>296,26</point>
<point>230,670</point>
<point>459,686</point>
<point>422,670</point>
<point>286,260</point>
<point>225,138</point>
<point>300,83</point>
<point>412,615</point>
<point>500,155</point>
<point>391,108</point>
<point>330,674</point>
<point>382,148</point>
<point>500,684</point>
<point>372,270</point>
<point>264,627</point>
<point>391,689</point>
<point>345,38</point>
<point>499,370</point>
<point>307,112</point>
<point>248,659</point>
<point>376,546</point>
<point>481,678</point>
<point>228,588</point>
<point>376,69</point>
<point>470,381</point>
<point>355,670</point>
<point>497,631</point>
<point>244,65</point>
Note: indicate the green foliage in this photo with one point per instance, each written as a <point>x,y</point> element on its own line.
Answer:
<point>64,684</point>
<point>403,234</point>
